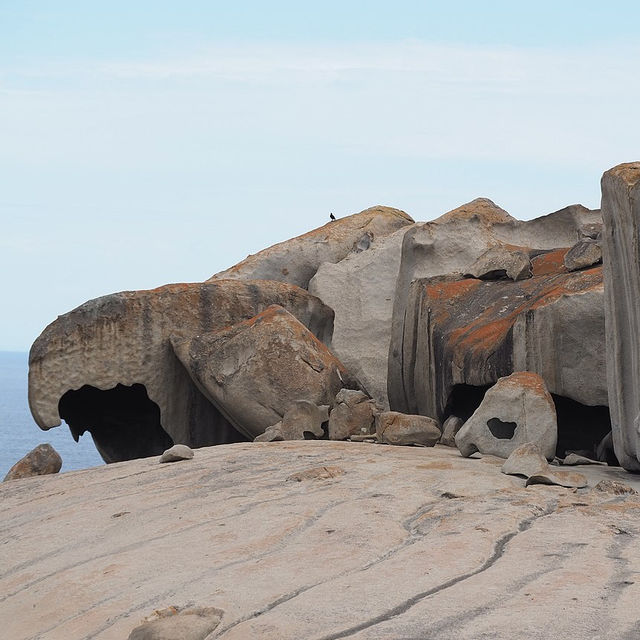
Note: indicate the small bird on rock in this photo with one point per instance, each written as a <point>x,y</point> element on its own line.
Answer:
<point>332,216</point>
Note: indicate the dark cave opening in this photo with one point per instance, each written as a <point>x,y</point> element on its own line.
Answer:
<point>581,428</point>
<point>123,421</point>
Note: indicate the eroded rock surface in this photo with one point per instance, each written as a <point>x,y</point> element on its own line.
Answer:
<point>228,531</point>
<point>518,409</point>
<point>621,258</point>
<point>501,262</point>
<point>296,261</point>
<point>109,366</point>
<point>252,371</point>
<point>448,245</point>
<point>302,420</point>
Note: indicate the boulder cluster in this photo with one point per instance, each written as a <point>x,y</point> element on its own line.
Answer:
<point>475,329</point>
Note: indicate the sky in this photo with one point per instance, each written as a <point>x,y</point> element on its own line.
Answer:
<point>149,142</point>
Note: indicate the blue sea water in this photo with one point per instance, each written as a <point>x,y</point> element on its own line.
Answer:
<point>18,431</point>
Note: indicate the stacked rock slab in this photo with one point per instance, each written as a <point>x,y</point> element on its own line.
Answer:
<point>254,370</point>
<point>123,339</point>
<point>451,244</point>
<point>472,332</point>
<point>621,258</point>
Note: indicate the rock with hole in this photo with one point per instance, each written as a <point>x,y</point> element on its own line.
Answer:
<point>516,410</point>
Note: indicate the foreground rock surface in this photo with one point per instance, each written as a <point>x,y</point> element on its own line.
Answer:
<point>367,542</point>
<point>40,461</point>
<point>621,260</point>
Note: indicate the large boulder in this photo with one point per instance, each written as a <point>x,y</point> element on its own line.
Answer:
<point>361,289</point>
<point>296,261</point>
<point>253,370</point>
<point>621,257</point>
<point>109,367</point>
<point>518,409</point>
<point>461,335</point>
<point>42,460</point>
<point>450,244</point>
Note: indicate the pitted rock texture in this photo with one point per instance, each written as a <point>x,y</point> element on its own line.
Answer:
<point>621,258</point>
<point>448,245</point>
<point>254,370</point>
<point>469,332</point>
<point>296,261</point>
<point>40,461</point>
<point>122,340</point>
<point>372,542</point>
<point>517,410</point>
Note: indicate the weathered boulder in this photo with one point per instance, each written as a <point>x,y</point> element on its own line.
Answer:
<point>449,245</point>
<point>302,420</point>
<point>516,410</point>
<point>361,289</point>
<point>527,461</point>
<point>42,460</point>
<point>621,258</point>
<point>296,261</point>
<point>253,370</point>
<point>352,415</point>
<point>582,255</point>
<point>108,366</point>
<point>402,429</point>
<point>464,334</point>
<point>450,428</point>
<point>501,261</point>
<point>176,453</point>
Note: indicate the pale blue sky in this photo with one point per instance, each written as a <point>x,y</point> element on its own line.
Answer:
<point>151,142</point>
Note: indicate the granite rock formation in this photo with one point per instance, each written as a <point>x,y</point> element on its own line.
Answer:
<point>108,366</point>
<point>363,541</point>
<point>252,371</point>
<point>621,258</point>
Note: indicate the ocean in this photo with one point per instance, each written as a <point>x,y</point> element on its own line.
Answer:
<point>18,431</point>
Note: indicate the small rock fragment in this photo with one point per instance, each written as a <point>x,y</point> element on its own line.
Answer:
<point>575,458</point>
<point>615,488</point>
<point>404,429</point>
<point>42,460</point>
<point>301,420</point>
<point>528,461</point>
<point>450,428</point>
<point>177,452</point>
<point>351,416</point>
<point>501,262</point>
<point>583,254</point>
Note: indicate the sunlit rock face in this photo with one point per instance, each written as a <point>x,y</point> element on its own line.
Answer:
<point>621,258</point>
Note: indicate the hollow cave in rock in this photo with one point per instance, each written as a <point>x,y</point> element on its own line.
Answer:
<point>124,423</point>
<point>581,427</point>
